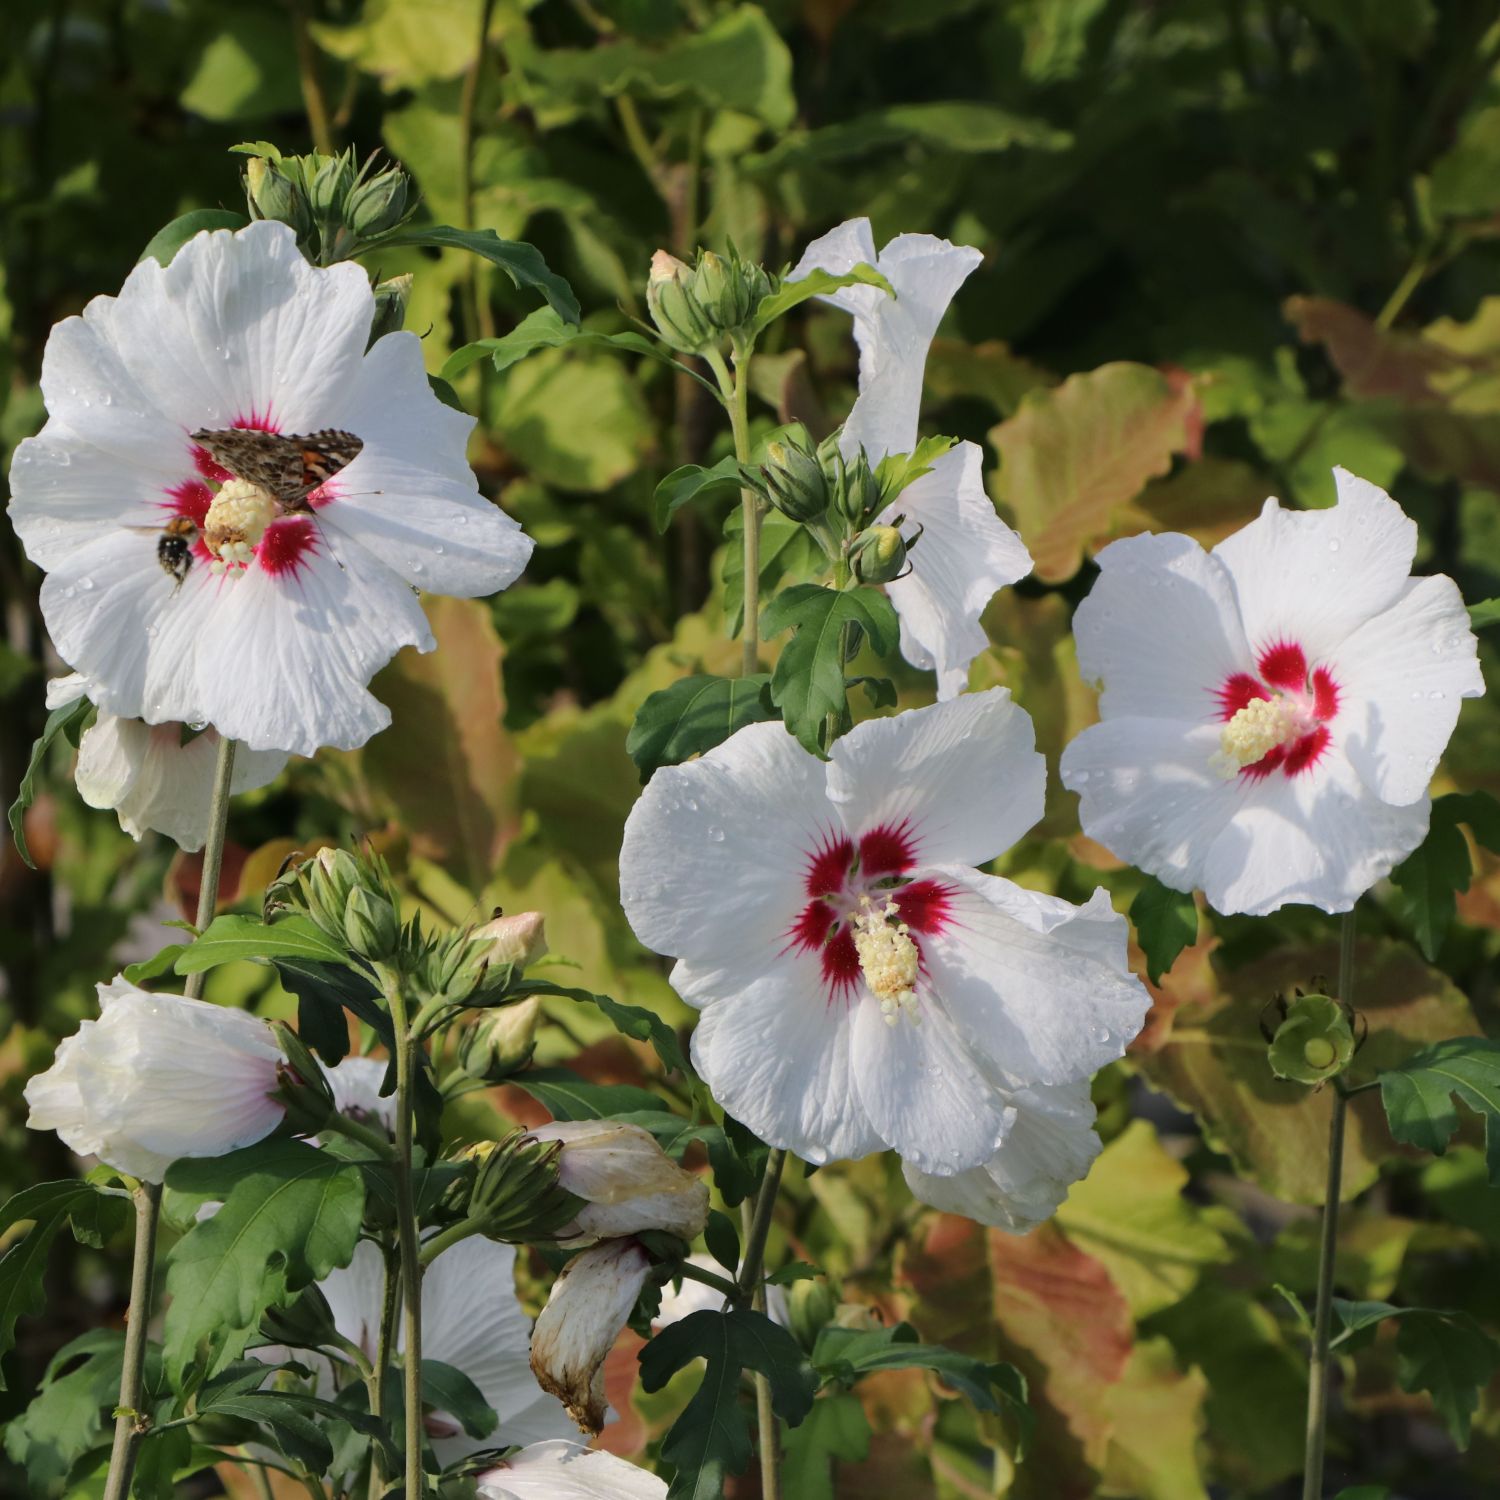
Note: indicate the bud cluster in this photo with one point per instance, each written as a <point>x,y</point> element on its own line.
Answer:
<point>697,307</point>
<point>335,206</point>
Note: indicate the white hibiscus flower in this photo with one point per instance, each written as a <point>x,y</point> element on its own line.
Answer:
<point>155,777</point>
<point>568,1471</point>
<point>862,986</point>
<point>966,551</point>
<point>317,592</point>
<point>1273,710</point>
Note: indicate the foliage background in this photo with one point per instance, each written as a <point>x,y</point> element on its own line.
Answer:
<point>1228,243</point>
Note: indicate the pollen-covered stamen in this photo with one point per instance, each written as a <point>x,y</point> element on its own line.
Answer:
<point>888,958</point>
<point>1261,726</point>
<point>235,523</point>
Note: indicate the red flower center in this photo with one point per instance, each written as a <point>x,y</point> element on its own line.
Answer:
<point>1311,698</point>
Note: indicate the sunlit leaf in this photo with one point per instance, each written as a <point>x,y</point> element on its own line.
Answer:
<point>694,715</point>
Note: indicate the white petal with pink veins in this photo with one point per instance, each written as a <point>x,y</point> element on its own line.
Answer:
<point>1313,576</point>
<point>409,498</point>
<point>776,1052</point>
<point>963,779</point>
<point>1161,630</point>
<point>1037,987</point>
<point>965,553</point>
<point>713,864</point>
<point>1403,676</point>
<point>1049,1146</point>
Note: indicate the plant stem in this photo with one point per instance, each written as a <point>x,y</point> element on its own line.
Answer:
<point>385,1343</point>
<point>757,1227</point>
<point>481,317</point>
<point>312,88</point>
<point>689,1272</point>
<point>1318,1370</point>
<point>407,1057</point>
<point>131,1423</point>
<point>431,1249</point>
<point>735,390</point>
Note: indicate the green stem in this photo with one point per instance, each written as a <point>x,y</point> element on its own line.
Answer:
<point>481,318</point>
<point>407,1059</point>
<point>313,100</point>
<point>689,1272</point>
<point>735,390</point>
<point>132,1423</point>
<point>1318,1370</point>
<point>431,1249</point>
<point>385,1344</point>
<point>374,1140</point>
<point>757,1228</point>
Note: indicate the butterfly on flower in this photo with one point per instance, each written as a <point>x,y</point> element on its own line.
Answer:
<point>288,467</point>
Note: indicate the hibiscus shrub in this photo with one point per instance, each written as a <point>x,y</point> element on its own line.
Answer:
<point>746,859</point>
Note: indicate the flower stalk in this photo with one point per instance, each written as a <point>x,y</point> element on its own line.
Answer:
<point>131,1423</point>
<point>757,1228</point>
<point>1318,1369</point>
<point>385,1343</point>
<point>735,389</point>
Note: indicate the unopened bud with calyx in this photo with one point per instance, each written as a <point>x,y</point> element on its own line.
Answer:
<point>1315,1041</point>
<point>391,298</point>
<point>371,927</point>
<point>674,310</point>
<point>878,554</point>
<point>729,289</point>
<point>855,493</point>
<point>696,307</point>
<point>500,1042</point>
<point>516,1194</point>
<point>490,958</point>
<point>302,1085</point>
<point>374,204</point>
<point>278,195</point>
<point>795,482</point>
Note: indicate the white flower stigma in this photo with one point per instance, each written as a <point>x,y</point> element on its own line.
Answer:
<point>1257,729</point>
<point>236,521</point>
<point>888,957</point>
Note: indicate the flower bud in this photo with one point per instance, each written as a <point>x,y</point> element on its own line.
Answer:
<point>379,204</point>
<point>274,195</point>
<point>589,1305</point>
<point>330,186</point>
<point>303,1085</point>
<point>795,482</point>
<point>492,957</point>
<point>331,877</point>
<point>500,1041</point>
<point>859,1316</point>
<point>370,925</point>
<point>856,494</point>
<point>391,298</point>
<point>628,1184</point>
<point>811,1306</point>
<point>517,1192</point>
<point>1314,1043</point>
<point>157,1077</point>
<point>878,554</point>
<point>674,310</point>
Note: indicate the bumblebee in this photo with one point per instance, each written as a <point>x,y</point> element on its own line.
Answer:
<point>174,548</point>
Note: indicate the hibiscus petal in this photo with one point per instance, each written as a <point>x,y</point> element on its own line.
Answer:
<point>409,498</point>
<point>1402,677</point>
<point>1161,629</point>
<point>1049,1146</point>
<point>963,778</point>
<point>1312,577</point>
<point>1037,986</point>
<point>775,1052</point>
<point>567,1471</point>
<point>964,555</point>
<point>713,863</point>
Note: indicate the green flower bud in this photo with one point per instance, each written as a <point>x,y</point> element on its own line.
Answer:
<point>674,309</point>
<point>878,554</point>
<point>329,187</point>
<point>811,1306</point>
<point>377,205</point>
<point>371,927</point>
<point>391,298</point>
<point>274,195</point>
<point>500,1041</point>
<point>795,482</point>
<point>302,1086</point>
<point>1314,1043</point>
<point>856,493</point>
<point>331,877</point>
<point>516,1194</point>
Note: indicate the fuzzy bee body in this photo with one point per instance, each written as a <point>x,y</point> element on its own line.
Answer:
<point>174,547</point>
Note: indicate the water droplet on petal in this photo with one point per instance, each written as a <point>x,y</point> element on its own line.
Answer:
<point>85,584</point>
<point>1436,694</point>
<point>716,835</point>
<point>1333,546</point>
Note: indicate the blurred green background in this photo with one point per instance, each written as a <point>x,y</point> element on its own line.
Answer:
<point>1228,244</point>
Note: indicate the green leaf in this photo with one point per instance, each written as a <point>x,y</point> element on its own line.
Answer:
<point>694,715</point>
<point>23,1266</point>
<point>631,1020</point>
<point>67,720</point>
<point>166,242</point>
<point>229,939</point>
<point>451,1391</point>
<point>787,550</point>
<point>1165,922</point>
<point>1452,1358</point>
<point>289,1427</point>
<point>817,283</point>
<point>521,262</point>
<point>324,991</point>
<point>163,962</point>
<point>711,1439</point>
<point>1485,613</point>
<point>692,483</point>
<point>164,1456</point>
<point>1418,1095</point>
<point>568,1097</point>
<point>291,1214</point>
<point>808,684</point>
<point>66,1417</point>
<point>1430,878</point>
<point>898,470</point>
<point>835,1429</point>
<point>723,1240</point>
